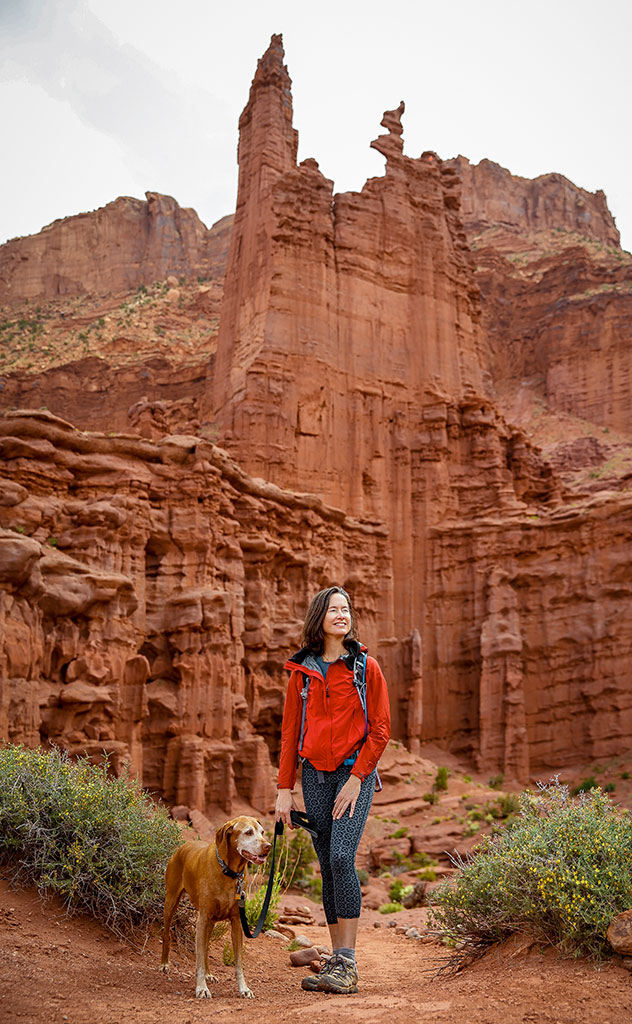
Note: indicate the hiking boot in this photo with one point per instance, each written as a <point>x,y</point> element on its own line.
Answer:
<point>340,976</point>
<point>311,982</point>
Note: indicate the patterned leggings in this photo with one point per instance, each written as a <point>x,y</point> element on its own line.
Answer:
<point>338,841</point>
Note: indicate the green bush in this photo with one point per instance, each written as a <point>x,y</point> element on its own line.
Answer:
<point>98,842</point>
<point>302,857</point>
<point>293,867</point>
<point>585,786</point>
<point>255,901</point>
<point>390,908</point>
<point>441,779</point>
<point>561,871</point>
<point>427,874</point>
<point>397,891</point>
<point>423,860</point>
<point>507,805</point>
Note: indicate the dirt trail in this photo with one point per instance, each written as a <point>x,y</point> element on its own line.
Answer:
<point>71,970</point>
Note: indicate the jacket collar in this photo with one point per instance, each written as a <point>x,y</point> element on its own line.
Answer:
<point>354,648</point>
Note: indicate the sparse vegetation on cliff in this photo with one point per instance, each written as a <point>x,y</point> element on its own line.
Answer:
<point>98,842</point>
<point>561,871</point>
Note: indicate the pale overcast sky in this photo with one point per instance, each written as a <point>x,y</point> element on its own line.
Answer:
<point>101,98</point>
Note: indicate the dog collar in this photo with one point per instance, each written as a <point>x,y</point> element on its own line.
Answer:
<point>239,875</point>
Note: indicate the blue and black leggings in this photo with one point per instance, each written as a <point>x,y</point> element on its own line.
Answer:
<point>338,841</point>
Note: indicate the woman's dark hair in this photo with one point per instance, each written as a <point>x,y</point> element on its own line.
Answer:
<point>313,633</point>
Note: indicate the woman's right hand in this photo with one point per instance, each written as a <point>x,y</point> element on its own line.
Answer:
<point>284,804</point>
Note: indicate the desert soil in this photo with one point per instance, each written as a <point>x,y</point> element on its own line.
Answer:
<point>59,969</point>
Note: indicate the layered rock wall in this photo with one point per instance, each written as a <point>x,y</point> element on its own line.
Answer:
<point>494,197</point>
<point>348,354</point>
<point>150,594</point>
<point>350,361</point>
<point>117,248</point>
<point>530,637</point>
<point>151,398</point>
<point>566,325</point>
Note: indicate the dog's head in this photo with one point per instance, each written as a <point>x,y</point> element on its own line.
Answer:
<point>245,836</point>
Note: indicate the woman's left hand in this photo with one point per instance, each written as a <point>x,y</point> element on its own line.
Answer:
<point>347,797</point>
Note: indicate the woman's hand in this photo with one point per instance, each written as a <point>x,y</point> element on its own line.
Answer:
<point>284,804</point>
<point>347,797</point>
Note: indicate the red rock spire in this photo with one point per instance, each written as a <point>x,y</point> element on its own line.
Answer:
<point>391,145</point>
<point>268,143</point>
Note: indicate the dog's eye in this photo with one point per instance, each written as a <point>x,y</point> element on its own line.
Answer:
<point>248,832</point>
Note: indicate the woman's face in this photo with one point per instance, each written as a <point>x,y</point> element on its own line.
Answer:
<point>337,621</point>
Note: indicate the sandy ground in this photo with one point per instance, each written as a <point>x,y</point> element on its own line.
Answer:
<point>59,969</point>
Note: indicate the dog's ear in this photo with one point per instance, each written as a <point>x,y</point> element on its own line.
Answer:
<point>221,839</point>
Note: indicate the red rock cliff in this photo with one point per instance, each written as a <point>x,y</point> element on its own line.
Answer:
<point>114,249</point>
<point>350,362</point>
<point>494,197</point>
<point>556,290</point>
<point>149,596</point>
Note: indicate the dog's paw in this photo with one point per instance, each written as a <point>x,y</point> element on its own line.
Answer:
<point>211,978</point>
<point>164,967</point>
<point>201,992</point>
<point>246,993</point>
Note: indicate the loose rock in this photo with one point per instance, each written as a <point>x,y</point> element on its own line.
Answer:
<point>619,933</point>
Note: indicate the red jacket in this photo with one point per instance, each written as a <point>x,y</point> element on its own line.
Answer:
<point>334,719</point>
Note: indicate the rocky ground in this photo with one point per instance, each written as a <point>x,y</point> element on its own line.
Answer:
<point>72,970</point>
<point>174,318</point>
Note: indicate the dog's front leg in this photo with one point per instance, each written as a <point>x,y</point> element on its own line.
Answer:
<point>238,951</point>
<point>209,975</point>
<point>201,945</point>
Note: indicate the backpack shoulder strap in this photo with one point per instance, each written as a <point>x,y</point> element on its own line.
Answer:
<point>359,680</point>
<point>304,692</point>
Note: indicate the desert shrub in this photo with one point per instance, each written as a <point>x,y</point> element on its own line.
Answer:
<point>302,857</point>
<point>561,871</point>
<point>363,876</point>
<point>427,874</point>
<point>98,842</point>
<point>431,797</point>
<point>496,781</point>
<point>441,779</point>
<point>390,908</point>
<point>397,891</point>
<point>293,867</point>
<point>423,860</point>
<point>585,786</point>
<point>506,805</point>
<point>257,894</point>
<point>399,833</point>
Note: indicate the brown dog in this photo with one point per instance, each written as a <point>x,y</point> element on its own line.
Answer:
<point>195,869</point>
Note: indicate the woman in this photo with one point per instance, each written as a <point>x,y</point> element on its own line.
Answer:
<point>339,739</point>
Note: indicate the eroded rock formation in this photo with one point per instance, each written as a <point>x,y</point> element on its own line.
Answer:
<point>556,290</point>
<point>494,197</point>
<point>151,588</point>
<point>351,362</point>
<point>149,595</point>
<point>114,249</point>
